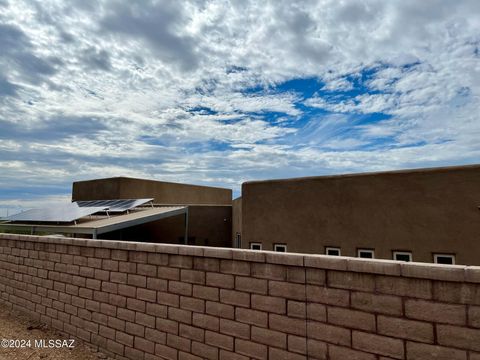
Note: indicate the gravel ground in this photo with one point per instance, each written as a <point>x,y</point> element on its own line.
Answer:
<point>16,326</point>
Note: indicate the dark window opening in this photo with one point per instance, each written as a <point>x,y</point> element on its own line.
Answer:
<point>332,251</point>
<point>280,247</point>
<point>255,246</point>
<point>444,259</point>
<point>402,256</point>
<point>366,254</point>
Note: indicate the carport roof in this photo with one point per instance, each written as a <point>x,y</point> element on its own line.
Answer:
<point>105,224</point>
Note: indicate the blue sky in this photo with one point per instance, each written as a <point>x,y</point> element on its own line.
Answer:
<point>220,92</point>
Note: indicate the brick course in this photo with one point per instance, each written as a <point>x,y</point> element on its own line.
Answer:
<point>150,301</point>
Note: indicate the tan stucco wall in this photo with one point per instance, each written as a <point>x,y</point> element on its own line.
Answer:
<point>163,192</point>
<point>236,219</point>
<point>423,211</point>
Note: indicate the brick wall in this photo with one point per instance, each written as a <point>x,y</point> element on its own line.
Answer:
<point>155,301</point>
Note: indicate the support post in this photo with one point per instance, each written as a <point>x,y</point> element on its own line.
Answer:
<point>185,240</point>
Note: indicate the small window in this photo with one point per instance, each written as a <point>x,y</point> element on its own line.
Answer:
<point>238,240</point>
<point>332,251</point>
<point>444,259</point>
<point>365,253</point>
<point>402,255</point>
<point>280,247</point>
<point>255,246</point>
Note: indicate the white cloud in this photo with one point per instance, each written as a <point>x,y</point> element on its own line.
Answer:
<point>14,206</point>
<point>116,88</point>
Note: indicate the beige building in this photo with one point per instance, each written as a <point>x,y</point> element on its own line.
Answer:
<point>208,218</point>
<point>427,215</point>
<point>162,212</point>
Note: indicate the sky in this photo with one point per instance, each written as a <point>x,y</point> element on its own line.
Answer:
<point>220,92</point>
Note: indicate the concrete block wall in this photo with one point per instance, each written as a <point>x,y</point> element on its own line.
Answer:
<point>156,301</point>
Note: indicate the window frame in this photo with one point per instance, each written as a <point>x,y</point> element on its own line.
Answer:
<point>451,256</point>
<point>328,248</point>
<point>371,251</point>
<point>409,253</point>
<point>279,245</point>
<point>256,243</point>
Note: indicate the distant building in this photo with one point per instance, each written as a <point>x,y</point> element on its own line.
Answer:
<point>209,209</point>
<point>426,215</point>
<point>177,213</point>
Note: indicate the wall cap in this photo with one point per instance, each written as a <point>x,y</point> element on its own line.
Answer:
<point>454,273</point>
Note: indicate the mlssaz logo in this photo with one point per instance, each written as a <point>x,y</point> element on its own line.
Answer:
<point>58,343</point>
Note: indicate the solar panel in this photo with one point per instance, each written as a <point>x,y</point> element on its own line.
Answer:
<point>118,205</point>
<point>59,213</point>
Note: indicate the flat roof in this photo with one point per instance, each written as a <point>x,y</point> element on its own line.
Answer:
<point>106,224</point>
<point>373,173</point>
<point>118,178</point>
